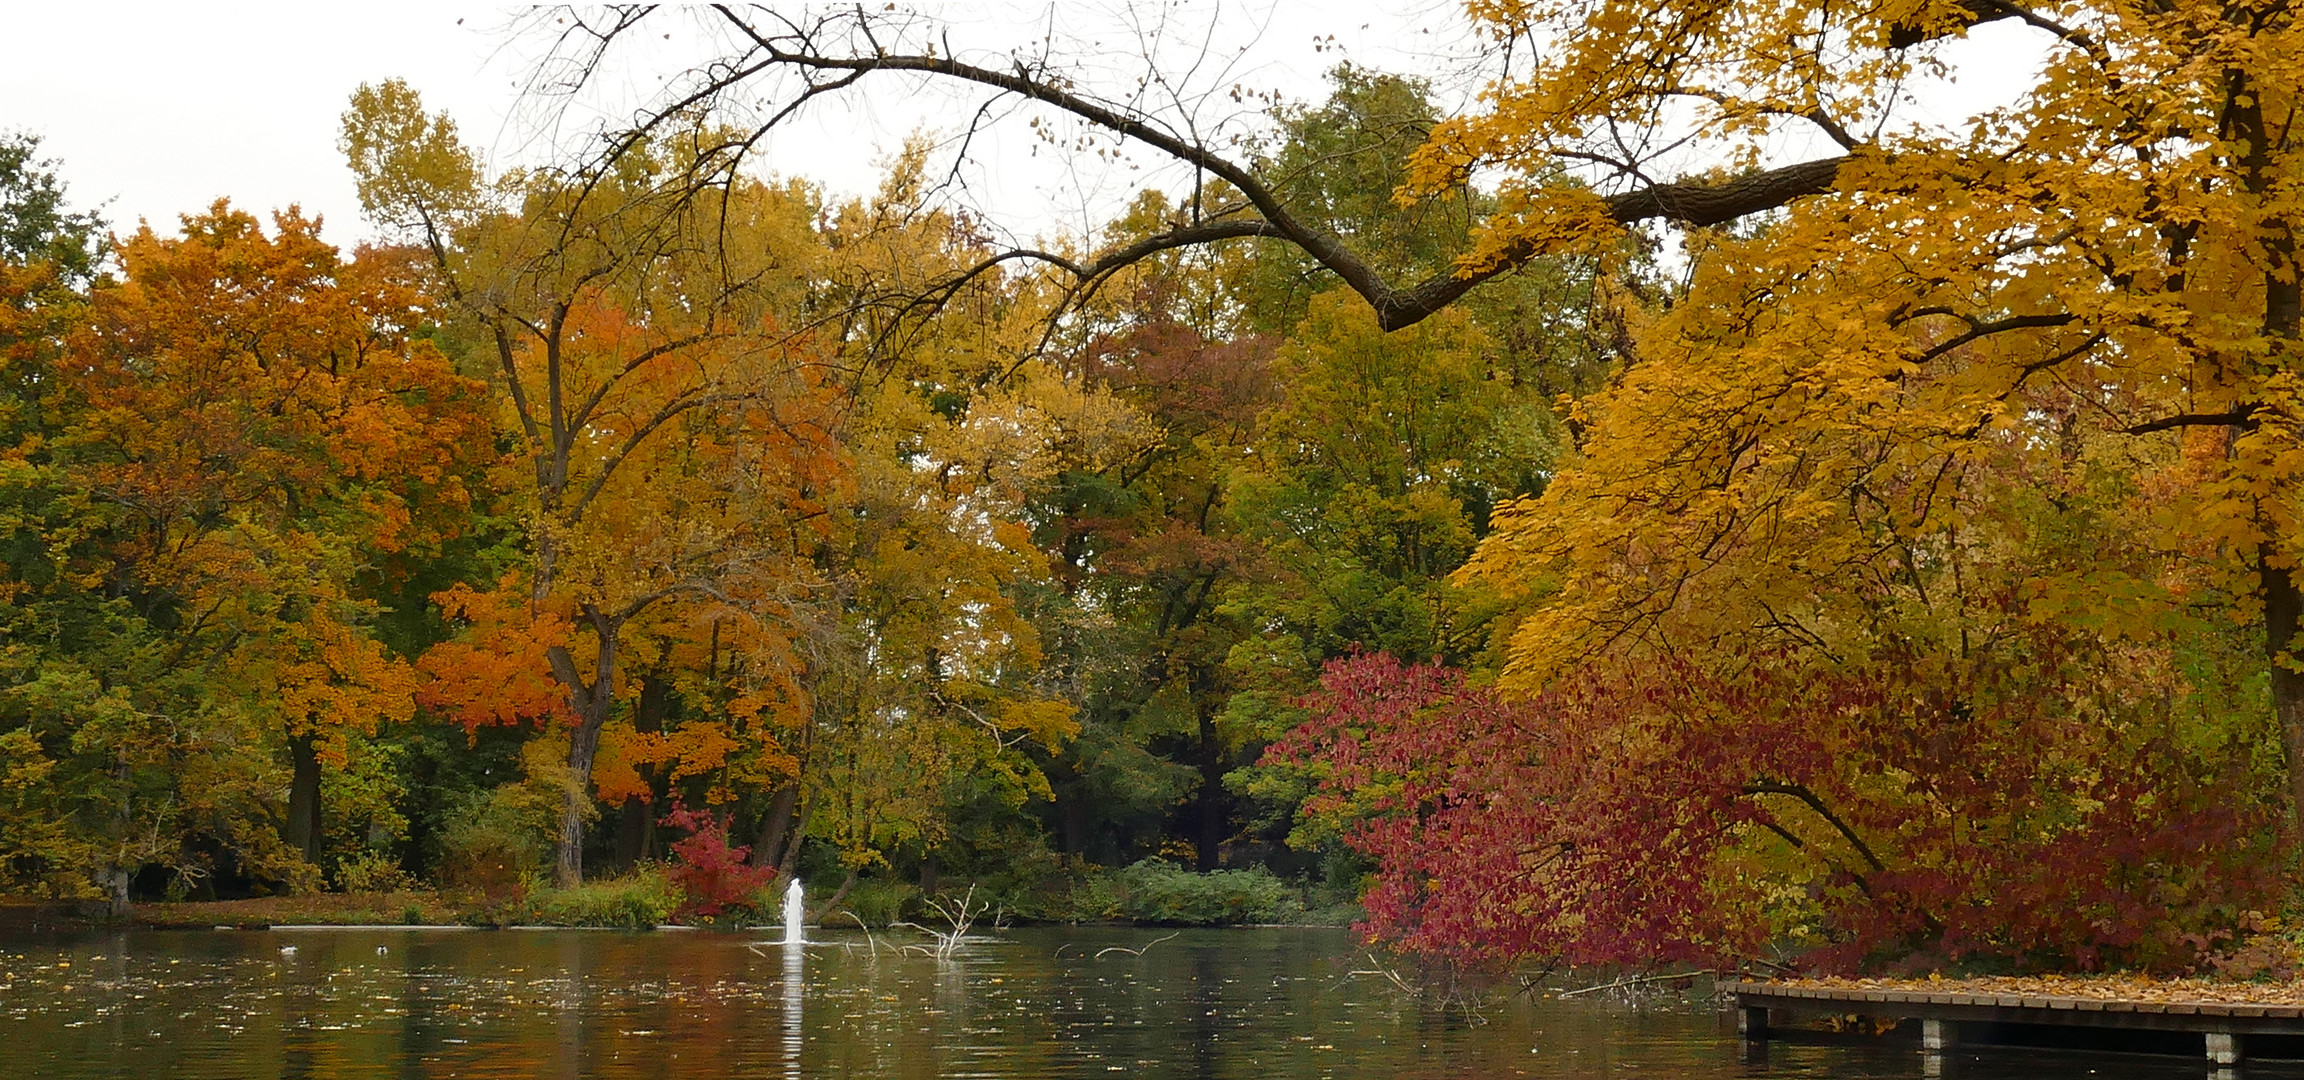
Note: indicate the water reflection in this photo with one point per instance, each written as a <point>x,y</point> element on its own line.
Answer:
<point>1032,1004</point>
<point>795,971</point>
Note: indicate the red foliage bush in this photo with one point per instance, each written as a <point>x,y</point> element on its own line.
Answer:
<point>712,875</point>
<point>1668,813</point>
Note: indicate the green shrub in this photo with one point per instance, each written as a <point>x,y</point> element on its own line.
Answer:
<point>877,901</point>
<point>643,898</point>
<point>372,871</point>
<point>1158,891</point>
<point>495,841</point>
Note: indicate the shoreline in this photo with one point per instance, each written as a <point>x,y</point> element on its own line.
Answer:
<point>408,910</point>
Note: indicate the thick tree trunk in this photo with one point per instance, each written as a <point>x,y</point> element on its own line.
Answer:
<point>583,745</point>
<point>592,702</point>
<point>1072,827</point>
<point>768,847</point>
<point>302,829</point>
<point>116,888</point>
<point>2260,171</point>
<point>2282,603</point>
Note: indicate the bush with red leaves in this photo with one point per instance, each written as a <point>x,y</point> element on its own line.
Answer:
<point>712,874</point>
<point>1869,820</point>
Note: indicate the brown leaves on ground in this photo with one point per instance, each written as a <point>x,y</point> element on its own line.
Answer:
<point>2102,987</point>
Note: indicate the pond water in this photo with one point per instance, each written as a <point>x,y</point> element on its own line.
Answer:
<point>1027,1004</point>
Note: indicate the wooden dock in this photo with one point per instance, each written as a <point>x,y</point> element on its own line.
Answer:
<point>2225,1028</point>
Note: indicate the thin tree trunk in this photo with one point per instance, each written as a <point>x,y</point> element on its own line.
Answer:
<point>1208,846</point>
<point>833,901</point>
<point>2283,306</point>
<point>787,860</point>
<point>768,848</point>
<point>632,831</point>
<point>636,822</point>
<point>302,829</point>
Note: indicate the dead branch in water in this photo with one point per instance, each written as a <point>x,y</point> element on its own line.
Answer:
<point>1621,984</point>
<point>1137,952</point>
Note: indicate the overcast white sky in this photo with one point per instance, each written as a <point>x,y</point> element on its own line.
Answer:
<point>158,109</point>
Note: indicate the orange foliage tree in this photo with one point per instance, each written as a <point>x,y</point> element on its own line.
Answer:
<point>258,413</point>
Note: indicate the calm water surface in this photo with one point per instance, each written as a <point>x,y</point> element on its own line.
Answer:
<point>1026,1004</point>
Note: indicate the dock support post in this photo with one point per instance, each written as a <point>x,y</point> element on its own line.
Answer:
<point>1937,1036</point>
<point>1752,1022</point>
<point>2224,1048</point>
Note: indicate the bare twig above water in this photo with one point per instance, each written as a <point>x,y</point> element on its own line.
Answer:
<point>1378,969</point>
<point>1448,994</point>
<point>1138,951</point>
<point>868,938</point>
<point>1622,984</point>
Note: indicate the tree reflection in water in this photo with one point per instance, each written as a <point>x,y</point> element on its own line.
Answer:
<point>1030,1004</point>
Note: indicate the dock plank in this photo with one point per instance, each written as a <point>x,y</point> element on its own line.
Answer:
<point>2140,1013</point>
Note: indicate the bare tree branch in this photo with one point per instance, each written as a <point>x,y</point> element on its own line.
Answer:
<point>2234,418</point>
<point>773,42</point>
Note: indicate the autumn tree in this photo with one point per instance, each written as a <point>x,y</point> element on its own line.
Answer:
<point>215,451</point>
<point>259,408</point>
<point>655,382</point>
<point>46,256</point>
<point>1148,555</point>
<point>931,698</point>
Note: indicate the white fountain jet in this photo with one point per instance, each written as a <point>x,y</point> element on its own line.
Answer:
<point>794,911</point>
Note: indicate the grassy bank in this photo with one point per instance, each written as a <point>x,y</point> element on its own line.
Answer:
<point>633,901</point>
<point>407,907</point>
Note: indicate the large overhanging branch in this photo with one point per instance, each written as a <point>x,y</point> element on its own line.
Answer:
<point>1693,202</point>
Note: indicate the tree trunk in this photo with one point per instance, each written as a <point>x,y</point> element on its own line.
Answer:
<point>2283,314</point>
<point>636,824</point>
<point>302,829</point>
<point>583,745</point>
<point>2283,604</point>
<point>833,901</point>
<point>1072,822</point>
<point>1212,810</point>
<point>592,702</point>
<point>116,887</point>
<point>768,848</point>
<point>788,860</point>
<point>634,830</point>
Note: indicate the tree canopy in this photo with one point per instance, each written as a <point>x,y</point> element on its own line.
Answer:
<point>1575,525</point>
